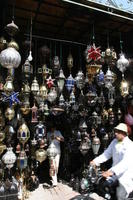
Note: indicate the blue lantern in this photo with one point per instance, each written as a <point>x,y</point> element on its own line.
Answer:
<point>70,83</point>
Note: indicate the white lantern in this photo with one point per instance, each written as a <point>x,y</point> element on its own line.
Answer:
<point>34,86</point>
<point>10,57</point>
<point>122,63</point>
<point>61,80</point>
<point>95,145</point>
<point>9,158</point>
<point>52,95</point>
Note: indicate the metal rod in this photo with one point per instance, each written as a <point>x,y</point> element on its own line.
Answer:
<point>54,39</point>
<point>98,9</point>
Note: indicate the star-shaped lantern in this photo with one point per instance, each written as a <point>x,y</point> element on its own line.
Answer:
<point>50,82</point>
<point>94,53</point>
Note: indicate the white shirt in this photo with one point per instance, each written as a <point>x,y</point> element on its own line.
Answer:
<point>122,156</point>
<point>55,142</point>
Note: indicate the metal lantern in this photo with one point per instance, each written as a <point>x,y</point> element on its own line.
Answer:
<point>43,91</point>
<point>124,87</point>
<point>9,158</point>
<point>2,135</point>
<point>10,113</point>
<point>72,98</point>
<point>61,80</point>
<point>51,151</point>
<point>12,28</point>
<point>52,95</point>
<point>100,78</point>
<point>8,86</point>
<point>111,116</point>
<point>41,155</point>
<point>85,146</point>
<point>70,61</point>
<point>22,160</point>
<point>46,71</point>
<point>27,69</point>
<point>80,80</point>
<point>92,70</point>
<point>92,97</point>
<point>95,145</point>
<point>25,107</point>
<point>40,131</point>
<point>23,133</point>
<point>70,83</point>
<point>34,86</point>
<point>122,63</point>
<point>25,89</point>
<point>109,78</point>
<point>111,96</point>
<point>10,57</point>
<point>34,110</point>
<point>119,114</point>
<point>61,101</point>
<point>46,109</point>
<point>105,140</point>
<point>82,125</point>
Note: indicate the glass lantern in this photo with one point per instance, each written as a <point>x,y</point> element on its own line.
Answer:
<point>61,80</point>
<point>9,158</point>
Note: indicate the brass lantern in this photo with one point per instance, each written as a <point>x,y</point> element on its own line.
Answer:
<point>70,61</point>
<point>43,91</point>
<point>92,70</point>
<point>124,87</point>
<point>41,155</point>
<point>27,69</point>
<point>22,160</point>
<point>109,78</point>
<point>25,107</point>
<point>8,86</point>
<point>23,133</point>
<point>10,113</point>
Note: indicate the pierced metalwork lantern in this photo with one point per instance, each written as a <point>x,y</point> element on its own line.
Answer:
<point>100,78</point>
<point>12,28</point>
<point>9,158</point>
<point>111,116</point>
<point>41,155</point>
<point>22,160</point>
<point>111,96</point>
<point>70,83</point>
<point>80,80</point>
<point>84,147</point>
<point>10,113</point>
<point>34,110</point>
<point>124,87</point>
<point>52,95</point>
<point>40,131</point>
<point>95,145</point>
<point>70,61</point>
<point>61,80</point>
<point>27,69</point>
<point>92,70</point>
<point>23,133</point>
<point>8,86</point>
<point>72,98</point>
<point>34,86</point>
<point>61,101</point>
<point>122,63</point>
<point>43,91</point>
<point>109,78</point>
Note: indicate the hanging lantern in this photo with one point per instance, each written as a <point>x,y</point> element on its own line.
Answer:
<point>9,158</point>
<point>2,136</point>
<point>105,140</point>
<point>122,63</point>
<point>109,56</point>
<point>105,116</point>
<point>25,89</point>
<point>34,110</point>
<point>22,160</point>
<point>49,82</point>
<point>40,131</point>
<point>119,114</point>
<point>46,109</point>
<point>96,120</point>
<point>124,87</point>
<point>25,107</point>
<point>61,101</point>
<point>56,66</point>
<point>43,92</point>
<point>95,145</point>
<point>51,151</point>
<point>61,80</point>
<point>109,78</point>
<point>72,98</point>
<point>46,71</point>
<point>34,86</point>
<point>111,96</point>
<point>27,69</point>
<point>111,116</point>
<point>8,87</point>
<point>10,57</point>
<point>52,95</point>
<point>23,133</point>
<point>92,70</point>
<point>70,83</point>
<point>12,28</point>
<point>41,155</point>
<point>83,125</point>
<point>100,78</point>
<point>92,97</point>
<point>70,61</point>
<point>80,80</point>
<point>10,113</point>
<point>84,147</point>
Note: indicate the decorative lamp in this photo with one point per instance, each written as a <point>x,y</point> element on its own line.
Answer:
<point>46,109</point>
<point>72,98</point>
<point>34,86</point>
<point>84,147</point>
<point>100,78</point>
<point>23,133</point>
<point>61,80</point>
<point>109,78</point>
<point>122,63</point>
<point>80,80</point>
<point>43,91</point>
<point>12,28</point>
<point>124,87</point>
<point>111,96</point>
<point>119,114</point>
<point>10,113</point>
<point>27,69</point>
<point>92,97</point>
<point>22,160</point>
<point>95,145</point>
<point>34,110</point>
<point>10,57</point>
<point>61,101</point>
<point>52,95</point>
<point>40,131</point>
<point>82,125</point>
<point>70,83</point>
<point>8,86</point>
<point>111,116</point>
<point>105,140</point>
<point>25,107</point>
<point>70,61</point>
<point>92,70</point>
<point>41,155</point>
<point>26,89</point>
<point>46,71</point>
<point>9,158</point>
<point>51,151</point>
